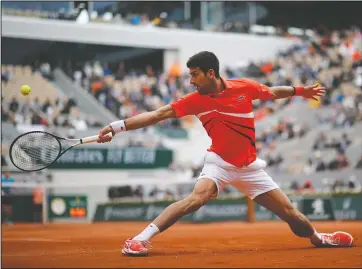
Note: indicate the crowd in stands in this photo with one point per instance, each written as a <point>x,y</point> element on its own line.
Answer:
<point>339,161</point>
<point>333,59</point>
<point>62,111</point>
<point>350,184</point>
<point>127,93</point>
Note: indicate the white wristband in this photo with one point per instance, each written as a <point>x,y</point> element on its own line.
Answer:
<point>118,126</point>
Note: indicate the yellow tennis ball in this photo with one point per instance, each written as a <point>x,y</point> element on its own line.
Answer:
<point>25,90</point>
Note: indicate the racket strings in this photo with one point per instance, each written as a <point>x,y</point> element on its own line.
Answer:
<point>34,151</point>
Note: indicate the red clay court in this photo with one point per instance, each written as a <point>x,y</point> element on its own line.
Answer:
<point>229,244</point>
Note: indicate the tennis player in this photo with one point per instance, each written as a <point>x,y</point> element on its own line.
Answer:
<point>225,109</point>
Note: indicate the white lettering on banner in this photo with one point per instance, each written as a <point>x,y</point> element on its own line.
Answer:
<point>89,156</point>
<point>346,213</point>
<point>220,211</point>
<point>78,203</point>
<point>154,211</point>
<point>347,203</point>
<point>349,214</point>
<point>67,157</point>
<point>318,206</point>
<point>263,214</point>
<point>122,213</point>
<point>143,156</point>
<point>318,210</point>
<point>82,156</point>
<point>114,156</point>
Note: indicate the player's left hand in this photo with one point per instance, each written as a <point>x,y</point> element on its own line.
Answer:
<point>103,137</point>
<point>313,91</point>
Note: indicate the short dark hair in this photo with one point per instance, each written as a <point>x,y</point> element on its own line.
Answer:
<point>205,60</point>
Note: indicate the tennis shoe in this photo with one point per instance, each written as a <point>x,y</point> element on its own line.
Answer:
<point>136,247</point>
<point>336,239</point>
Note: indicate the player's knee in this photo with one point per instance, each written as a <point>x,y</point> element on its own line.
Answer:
<point>193,204</point>
<point>195,201</point>
<point>203,192</point>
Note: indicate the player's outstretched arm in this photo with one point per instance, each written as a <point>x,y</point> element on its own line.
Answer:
<point>136,122</point>
<point>309,92</point>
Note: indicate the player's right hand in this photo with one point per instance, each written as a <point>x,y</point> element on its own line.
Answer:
<point>103,137</point>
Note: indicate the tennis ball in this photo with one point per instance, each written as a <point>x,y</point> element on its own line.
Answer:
<point>25,90</point>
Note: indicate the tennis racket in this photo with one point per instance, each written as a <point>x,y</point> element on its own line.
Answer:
<point>37,150</point>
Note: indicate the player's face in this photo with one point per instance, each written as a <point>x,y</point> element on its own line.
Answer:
<point>202,81</point>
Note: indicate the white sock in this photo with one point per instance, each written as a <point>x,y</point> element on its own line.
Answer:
<point>148,233</point>
<point>316,236</point>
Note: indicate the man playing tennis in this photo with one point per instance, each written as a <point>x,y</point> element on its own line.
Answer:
<point>225,109</point>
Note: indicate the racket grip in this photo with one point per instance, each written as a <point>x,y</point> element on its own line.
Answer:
<point>92,139</point>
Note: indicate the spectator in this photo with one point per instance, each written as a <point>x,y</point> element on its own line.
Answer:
<point>14,105</point>
<point>309,167</point>
<point>320,165</point>
<point>308,187</point>
<point>45,106</point>
<point>346,141</point>
<point>77,76</point>
<point>6,198</point>
<point>139,192</point>
<point>353,184</point>
<point>46,71</point>
<point>340,162</point>
<point>106,70</point>
<point>68,104</point>
<point>5,76</point>
<point>295,186</point>
<point>5,117</point>
<point>154,192</point>
<point>3,161</point>
<point>320,141</point>
<point>6,178</point>
<point>338,184</point>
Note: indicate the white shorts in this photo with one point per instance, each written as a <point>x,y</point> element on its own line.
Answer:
<point>251,180</point>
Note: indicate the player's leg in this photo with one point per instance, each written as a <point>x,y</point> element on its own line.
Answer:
<point>278,203</point>
<point>254,182</point>
<point>204,190</point>
<point>214,176</point>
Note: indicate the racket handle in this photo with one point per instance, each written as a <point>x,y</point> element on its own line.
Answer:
<point>92,139</point>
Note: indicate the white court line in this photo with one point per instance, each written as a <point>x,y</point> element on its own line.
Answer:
<point>35,240</point>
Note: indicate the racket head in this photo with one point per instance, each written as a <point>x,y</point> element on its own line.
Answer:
<point>35,151</point>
